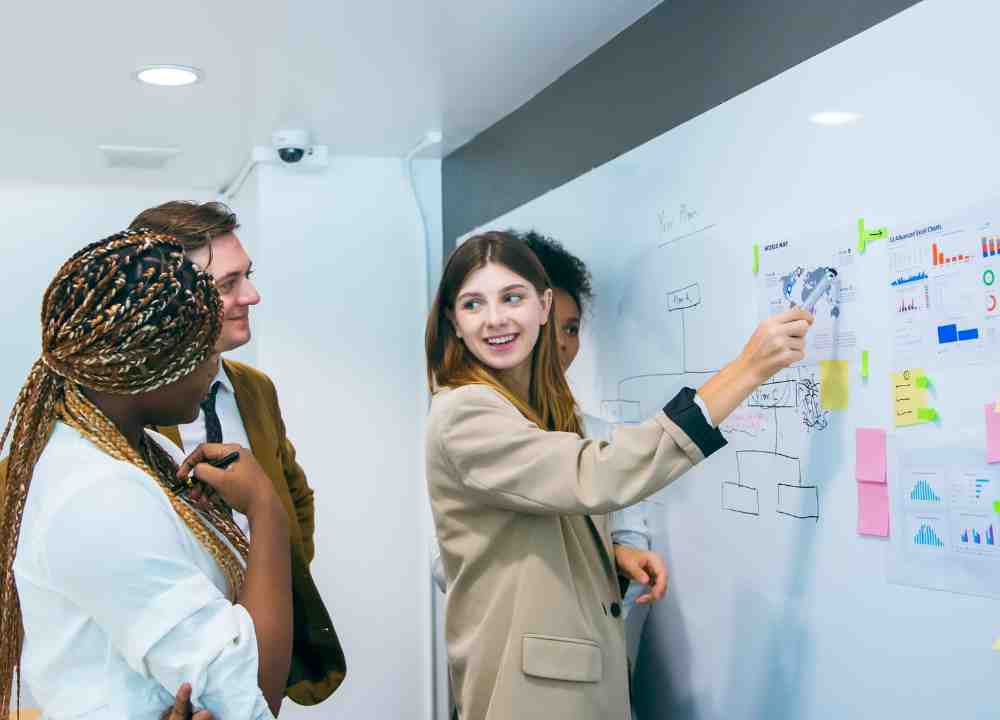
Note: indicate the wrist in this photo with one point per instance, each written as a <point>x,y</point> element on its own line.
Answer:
<point>747,373</point>
<point>265,507</point>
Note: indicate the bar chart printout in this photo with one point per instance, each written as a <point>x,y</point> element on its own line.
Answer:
<point>991,246</point>
<point>945,501</point>
<point>939,258</point>
<point>927,536</point>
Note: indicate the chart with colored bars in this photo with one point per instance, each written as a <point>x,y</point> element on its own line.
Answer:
<point>972,536</point>
<point>924,492</point>
<point>951,333</point>
<point>927,536</point>
<point>944,305</point>
<point>939,258</point>
<point>946,504</point>
<point>991,246</point>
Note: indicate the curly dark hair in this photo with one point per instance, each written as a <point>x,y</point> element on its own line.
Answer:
<point>566,271</point>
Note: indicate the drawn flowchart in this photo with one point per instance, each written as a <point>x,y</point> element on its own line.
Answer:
<point>790,400</point>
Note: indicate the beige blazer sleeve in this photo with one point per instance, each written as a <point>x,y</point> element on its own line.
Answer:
<point>506,461</point>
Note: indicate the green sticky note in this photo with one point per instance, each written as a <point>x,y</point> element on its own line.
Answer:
<point>756,258</point>
<point>996,506</point>
<point>864,363</point>
<point>867,235</point>
<point>923,382</point>
<point>833,385</point>
<point>929,414</point>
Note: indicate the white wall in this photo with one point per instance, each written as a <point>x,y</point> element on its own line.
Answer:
<point>340,330</point>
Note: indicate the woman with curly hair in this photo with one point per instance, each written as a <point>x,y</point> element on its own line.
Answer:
<point>121,579</point>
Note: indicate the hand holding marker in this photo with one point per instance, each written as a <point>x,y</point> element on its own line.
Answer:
<point>202,489</point>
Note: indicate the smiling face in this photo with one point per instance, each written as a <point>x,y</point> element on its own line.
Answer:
<point>498,315</point>
<point>225,260</point>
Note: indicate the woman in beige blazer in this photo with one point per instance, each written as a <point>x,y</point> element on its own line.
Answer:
<point>533,620</point>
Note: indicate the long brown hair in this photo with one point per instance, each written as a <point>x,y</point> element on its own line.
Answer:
<point>450,364</point>
<point>125,315</point>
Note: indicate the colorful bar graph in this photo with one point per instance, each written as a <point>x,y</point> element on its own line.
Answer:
<point>972,536</point>
<point>991,246</point>
<point>951,333</point>
<point>923,491</point>
<point>940,258</point>
<point>926,536</point>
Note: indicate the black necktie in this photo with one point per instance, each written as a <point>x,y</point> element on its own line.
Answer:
<point>213,428</point>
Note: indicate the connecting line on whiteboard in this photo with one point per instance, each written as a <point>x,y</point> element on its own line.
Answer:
<point>684,369</point>
<point>671,241</point>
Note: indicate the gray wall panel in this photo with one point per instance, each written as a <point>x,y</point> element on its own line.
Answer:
<point>681,59</point>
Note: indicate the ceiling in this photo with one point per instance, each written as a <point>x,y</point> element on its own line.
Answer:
<point>366,78</point>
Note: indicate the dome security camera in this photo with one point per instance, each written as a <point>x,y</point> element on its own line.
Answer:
<point>292,144</point>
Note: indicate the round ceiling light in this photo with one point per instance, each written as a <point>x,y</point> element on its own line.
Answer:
<point>168,75</point>
<point>833,119</point>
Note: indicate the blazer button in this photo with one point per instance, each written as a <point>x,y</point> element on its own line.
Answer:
<point>616,609</point>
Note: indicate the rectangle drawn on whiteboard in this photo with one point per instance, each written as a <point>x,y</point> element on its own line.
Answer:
<point>686,297</point>
<point>798,501</point>
<point>774,395</point>
<point>740,498</point>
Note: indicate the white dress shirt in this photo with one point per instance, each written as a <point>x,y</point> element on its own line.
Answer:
<point>193,434</point>
<point>121,603</point>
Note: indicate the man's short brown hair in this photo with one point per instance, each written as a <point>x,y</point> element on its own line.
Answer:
<point>193,224</point>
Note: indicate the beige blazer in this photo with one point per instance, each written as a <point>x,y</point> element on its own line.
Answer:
<point>533,616</point>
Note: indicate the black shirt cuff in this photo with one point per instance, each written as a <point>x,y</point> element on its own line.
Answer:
<point>689,418</point>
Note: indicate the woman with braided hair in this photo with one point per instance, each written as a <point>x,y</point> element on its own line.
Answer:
<point>120,580</point>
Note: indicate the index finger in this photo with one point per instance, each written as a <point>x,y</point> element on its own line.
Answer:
<point>182,707</point>
<point>793,314</point>
<point>204,453</point>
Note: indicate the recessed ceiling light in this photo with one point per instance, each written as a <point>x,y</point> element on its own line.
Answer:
<point>833,118</point>
<point>168,75</point>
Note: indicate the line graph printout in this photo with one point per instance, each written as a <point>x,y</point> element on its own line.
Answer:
<point>790,268</point>
<point>942,289</point>
<point>945,519</point>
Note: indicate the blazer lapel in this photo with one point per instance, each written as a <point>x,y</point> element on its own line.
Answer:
<point>172,433</point>
<point>252,422</point>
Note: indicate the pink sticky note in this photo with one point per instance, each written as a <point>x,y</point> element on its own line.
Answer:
<point>873,509</point>
<point>869,464</point>
<point>992,434</point>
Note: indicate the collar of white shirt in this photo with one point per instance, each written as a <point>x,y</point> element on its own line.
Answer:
<point>222,377</point>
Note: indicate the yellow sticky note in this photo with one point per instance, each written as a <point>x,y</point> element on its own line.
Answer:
<point>908,398</point>
<point>833,384</point>
<point>996,644</point>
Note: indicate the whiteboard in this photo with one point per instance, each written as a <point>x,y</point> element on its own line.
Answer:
<point>777,607</point>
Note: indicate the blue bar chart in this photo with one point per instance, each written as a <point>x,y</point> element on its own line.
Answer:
<point>924,492</point>
<point>950,334</point>
<point>926,536</point>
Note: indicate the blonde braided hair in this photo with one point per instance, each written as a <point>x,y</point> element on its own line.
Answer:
<point>125,315</point>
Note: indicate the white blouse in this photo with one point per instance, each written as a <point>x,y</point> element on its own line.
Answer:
<point>121,603</point>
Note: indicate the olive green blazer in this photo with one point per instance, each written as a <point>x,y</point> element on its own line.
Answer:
<point>318,664</point>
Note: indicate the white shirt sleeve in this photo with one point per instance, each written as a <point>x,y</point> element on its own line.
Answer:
<point>704,409</point>
<point>120,554</point>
